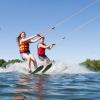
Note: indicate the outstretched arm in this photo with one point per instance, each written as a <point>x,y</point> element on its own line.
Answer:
<point>29,38</point>
<point>51,46</point>
<point>44,46</point>
<point>35,40</point>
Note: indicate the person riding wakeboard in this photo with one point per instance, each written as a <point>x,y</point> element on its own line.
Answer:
<point>41,49</point>
<point>23,43</point>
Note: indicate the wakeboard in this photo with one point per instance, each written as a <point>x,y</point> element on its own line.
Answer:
<point>47,68</point>
<point>37,69</point>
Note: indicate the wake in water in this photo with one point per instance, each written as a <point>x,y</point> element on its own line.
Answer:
<point>17,67</point>
<point>63,68</point>
<point>57,68</point>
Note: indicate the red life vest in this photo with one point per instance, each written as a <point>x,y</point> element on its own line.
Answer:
<point>41,51</point>
<point>24,47</point>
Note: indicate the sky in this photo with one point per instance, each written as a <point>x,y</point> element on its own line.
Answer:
<point>39,16</point>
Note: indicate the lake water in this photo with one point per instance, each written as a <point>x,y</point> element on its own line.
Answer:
<point>80,86</point>
<point>60,82</point>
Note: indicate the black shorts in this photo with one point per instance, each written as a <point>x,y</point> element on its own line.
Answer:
<point>43,57</point>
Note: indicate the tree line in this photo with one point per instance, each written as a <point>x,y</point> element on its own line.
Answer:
<point>92,64</point>
<point>4,63</point>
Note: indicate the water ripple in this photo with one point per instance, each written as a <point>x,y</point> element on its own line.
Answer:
<point>49,87</point>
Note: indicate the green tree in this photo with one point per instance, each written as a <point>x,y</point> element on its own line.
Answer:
<point>92,64</point>
<point>4,63</point>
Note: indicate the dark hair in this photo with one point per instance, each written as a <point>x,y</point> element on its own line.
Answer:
<point>19,37</point>
<point>42,37</point>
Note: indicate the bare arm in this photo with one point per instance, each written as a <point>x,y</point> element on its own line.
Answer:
<point>51,46</point>
<point>28,39</point>
<point>44,46</point>
<point>34,40</point>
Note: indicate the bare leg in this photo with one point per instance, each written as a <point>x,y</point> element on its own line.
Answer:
<point>33,60</point>
<point>46,61</point>
<point>29,63</point>
<point>28,60</point>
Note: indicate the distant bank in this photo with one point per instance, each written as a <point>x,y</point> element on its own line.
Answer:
<point>4,63</point>
<point>92,64</point>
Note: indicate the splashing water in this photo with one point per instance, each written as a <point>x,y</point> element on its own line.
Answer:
<point>62,68</point>
<point>17,67</point>
<point>57,68</point>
